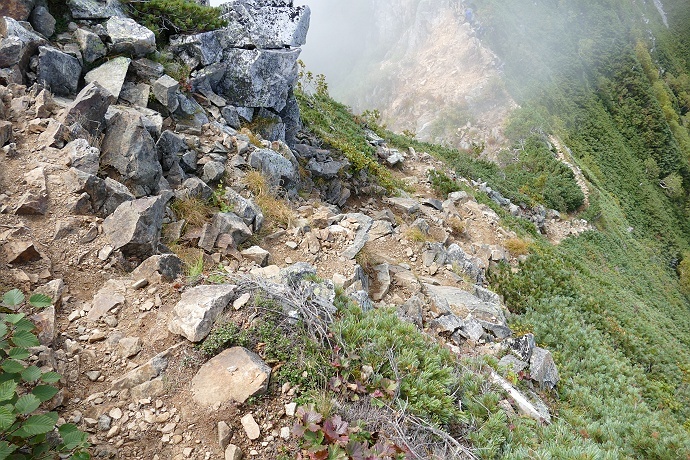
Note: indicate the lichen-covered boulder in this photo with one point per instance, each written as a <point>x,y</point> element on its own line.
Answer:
<point>129,37</point>
<point>270,26</point>
<point>95,9</point>
<point>278,169</point>
<point>58,71</point>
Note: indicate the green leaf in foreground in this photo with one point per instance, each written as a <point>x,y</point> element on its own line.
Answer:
<point>31,374</point>
<point>12,367</point>
<point>13,298</point>
<point>44,392</point>
<point>25,339</point>
<point>6,449</point>
<point>7,390</point>
<point>26,404</point>
<point>38,424</point>
<point>51,377</point>
<point>40,301</point>
<point>7,418</point>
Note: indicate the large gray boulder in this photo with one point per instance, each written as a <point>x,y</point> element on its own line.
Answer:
<point>129,151</point>
<point>170,148</point>
<point>166,90</point>
<point>58,71</point>
<point>100,196</point>
<point>259,78</point>
<point>269,26</point>
<point>90,44</point>
<point>245,208</point>
<point>89,107</point>
<point>224,223</point>
<point>42,21</point>
<point>542,368</point>
<point>110,75</point>
<point>278,169</point>
<point>129,37</point>
<point>95,9</point>
<point>194,314</point>
<point>17,9</point>
<point>18,43</point>
<point>135,226</point>
<point>449,299</point>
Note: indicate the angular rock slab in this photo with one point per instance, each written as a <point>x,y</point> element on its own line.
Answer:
<point>110,75</point>
<point>234,375</point>
<point>194,314</point>
<point>258,78</point>
<point>278,169</point>
<point>462,303</point>
<point>129,37</point>
<point>89,107</point>
<point>91,45</point>
<point>135,226</point>
<point>129,150</point>
<point>58,71</point>
<point>542,368</point>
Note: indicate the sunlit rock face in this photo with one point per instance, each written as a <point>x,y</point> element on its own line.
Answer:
<point>253,61</point>
<point>422,63</point>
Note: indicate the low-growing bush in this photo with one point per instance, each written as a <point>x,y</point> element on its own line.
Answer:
<point>25,426</point>
<point>171,17</point>
<point>442,184</point>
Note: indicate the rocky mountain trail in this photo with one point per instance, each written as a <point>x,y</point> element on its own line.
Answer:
<point>152,216</point>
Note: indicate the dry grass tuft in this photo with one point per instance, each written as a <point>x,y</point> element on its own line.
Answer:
<point>415,235</point>
<point>517,246</point>
<point>276,210</point>
<point>253,138</point>
<point>457,226</point>
<point>192,210</point>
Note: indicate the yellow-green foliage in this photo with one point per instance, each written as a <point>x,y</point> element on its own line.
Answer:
<point>277,211</point>
<point>517,246</point>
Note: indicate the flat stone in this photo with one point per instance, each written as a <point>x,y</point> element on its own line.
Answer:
<point>232,452</point>
<point>195,313</point>
<point>110,75</point>
<point>462,303</point>
<point>251,428</point>
<point>129,346</point>
<point>406,205</point>
<point>108,297</point>
<point>241,301</point>
<point>257,255</point>
<point>147,371</point>
<point>224,434</point>
<point>233,375</point>
<point>447,323</point>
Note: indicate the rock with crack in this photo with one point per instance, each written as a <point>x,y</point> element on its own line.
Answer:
<point>195,313</point>
<point>35,200</point>
<point>246,208</point>
<point>90,44</point>
<point>18,44</point>
<point>110,295</point>
<point>144,373</point>
<point>129,151</point>
<point>135,226</point>
<point>194,188</point>
<point>166,267</point>
<point>234,375</point>
<point>129,37</point>
<point>447,299</point>
<point>110,75</point>
<point>224,223</point>
<point>542,368</point>
<point>58,71</point>
<point>279,170</point>
<point>98,196</point>
<point>362,235</point>
<point>89,107</point>
<point>95,9</point>
<point>82,156</point>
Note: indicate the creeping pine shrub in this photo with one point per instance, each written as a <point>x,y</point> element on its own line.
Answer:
<point>171,17</point>
<point>26,429</point>
<point>396,351</point>
<point>442,184</point>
